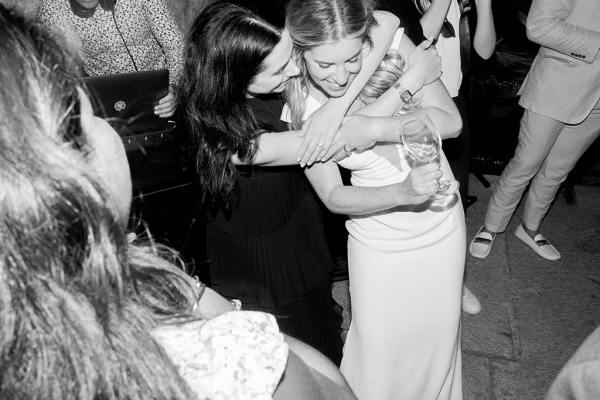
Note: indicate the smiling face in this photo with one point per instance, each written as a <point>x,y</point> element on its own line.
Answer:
<point>276,69</point>
<point>333,66</point>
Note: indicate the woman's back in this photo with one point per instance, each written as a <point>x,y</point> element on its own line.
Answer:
<point>269,249</point>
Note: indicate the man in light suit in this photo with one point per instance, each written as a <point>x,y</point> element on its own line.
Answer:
<point>562,118</point>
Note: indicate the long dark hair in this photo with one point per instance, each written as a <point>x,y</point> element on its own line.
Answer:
<point>223,53</point>
<point>77,302</point>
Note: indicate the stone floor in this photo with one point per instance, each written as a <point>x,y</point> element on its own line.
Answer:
<point>535,312</point>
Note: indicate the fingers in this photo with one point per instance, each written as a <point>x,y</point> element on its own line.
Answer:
<point>424,179</point>
<point>327,142</point>
<point>336,146</point>
<point>166,114</point>
<point>337,150</point>
<point>303,154</point>
<point>340,155</point>
<point>315,149</point>
<point>166,106</point>
<point>429,171</point>
<point>310,148</point>
<point>320,148</point>
<point>167,99</point>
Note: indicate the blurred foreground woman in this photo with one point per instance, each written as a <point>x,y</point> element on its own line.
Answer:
<point>83,313</point>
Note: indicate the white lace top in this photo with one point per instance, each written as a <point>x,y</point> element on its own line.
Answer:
<point>239,355</point>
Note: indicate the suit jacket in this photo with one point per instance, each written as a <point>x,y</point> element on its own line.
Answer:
<point>579,379</point>
<point>564,80</point>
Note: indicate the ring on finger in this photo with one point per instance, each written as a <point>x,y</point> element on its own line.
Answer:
<point>320,145</point>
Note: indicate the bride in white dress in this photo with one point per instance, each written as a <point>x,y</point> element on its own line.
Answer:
<point>406,264</point>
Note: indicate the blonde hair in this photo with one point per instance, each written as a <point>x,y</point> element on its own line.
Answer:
<point>388,72</point>
<point>313,23</point>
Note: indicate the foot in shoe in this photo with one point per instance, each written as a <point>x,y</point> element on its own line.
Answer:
<point>470,303</point>
<point>538,243</point>
<point>482,243</point>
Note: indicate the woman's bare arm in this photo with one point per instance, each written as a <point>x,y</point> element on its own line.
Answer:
<point>274,149</point>
<point>325,178</point>
<point>484,41</point>
<point>322,127</point>
<point>434,97</point>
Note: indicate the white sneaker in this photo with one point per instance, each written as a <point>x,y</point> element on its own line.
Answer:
<point>470,303</point>
<point>539,244</point>
<point>481,244</point>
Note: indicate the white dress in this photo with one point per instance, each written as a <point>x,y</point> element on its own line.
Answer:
<point>406,269</point>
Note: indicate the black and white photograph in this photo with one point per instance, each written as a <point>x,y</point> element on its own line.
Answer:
<point>300,199</point>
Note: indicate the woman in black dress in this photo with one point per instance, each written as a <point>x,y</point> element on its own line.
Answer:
<point>266,240</point>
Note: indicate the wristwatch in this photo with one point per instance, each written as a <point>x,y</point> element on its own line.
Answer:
<point>405,94</point>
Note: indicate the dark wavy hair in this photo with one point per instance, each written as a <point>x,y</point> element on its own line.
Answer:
<point>223,53</point>
<point>77,302</point>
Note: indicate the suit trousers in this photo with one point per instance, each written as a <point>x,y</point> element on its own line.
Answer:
<point>546,152</point>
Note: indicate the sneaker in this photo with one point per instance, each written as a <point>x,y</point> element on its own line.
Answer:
<point>481,244</point>
<point>470,303</point>
<point>539,244</point>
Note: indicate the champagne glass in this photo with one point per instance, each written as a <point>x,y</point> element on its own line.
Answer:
<point>423,146</point>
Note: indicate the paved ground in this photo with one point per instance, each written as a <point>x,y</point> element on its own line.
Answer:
<point>535,312</point>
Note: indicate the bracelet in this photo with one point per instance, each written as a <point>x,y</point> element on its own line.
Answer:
<point>237,304</point>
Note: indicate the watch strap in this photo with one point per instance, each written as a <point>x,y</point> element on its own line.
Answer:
<point>404,93</point>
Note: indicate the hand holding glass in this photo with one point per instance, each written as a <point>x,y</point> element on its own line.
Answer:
<point>423,145</point>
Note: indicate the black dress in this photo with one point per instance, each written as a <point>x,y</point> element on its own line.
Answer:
<point>270,249</point>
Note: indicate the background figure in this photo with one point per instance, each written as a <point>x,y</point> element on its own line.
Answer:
<point>123,36</point>
<point>561,97</point>
<point>113,37</point>
<point>445,22</point>
<point>441,21</point>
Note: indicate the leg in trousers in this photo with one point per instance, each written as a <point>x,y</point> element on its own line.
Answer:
<point>570,145</point>
<point>536,137</point>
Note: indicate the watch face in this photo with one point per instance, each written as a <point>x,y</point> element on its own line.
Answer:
<point>405,96</point>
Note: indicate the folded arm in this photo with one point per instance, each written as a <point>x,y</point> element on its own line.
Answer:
<point>547,25</point>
